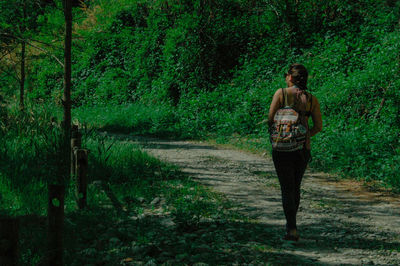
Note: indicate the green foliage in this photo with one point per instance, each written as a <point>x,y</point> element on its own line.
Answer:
<point>30,154</point>
<point>21,21</point>
<point>129,118</point>
<point>361,115</point>
<point>195,69</point>
<point>155,52</point>
<point>29,162</point>
<point>12,11</point>
<point>188,69</point>
<point>214,70</point>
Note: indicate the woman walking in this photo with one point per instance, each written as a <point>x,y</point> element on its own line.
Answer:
<point>291,140</point>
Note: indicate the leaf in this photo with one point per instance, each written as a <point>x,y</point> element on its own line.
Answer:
<point>107,157</point>
<point>55,202</point>
<point>112,144</point>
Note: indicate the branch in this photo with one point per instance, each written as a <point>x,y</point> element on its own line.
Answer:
<point>273,9</point>
<point>45,43</point>
<point>14,67</point>
<point>380,108</point>
<point>27,41</point>
<point>8,52</point>
<point>10,74</point>
<point>382,101</point>
<point>47,52</point>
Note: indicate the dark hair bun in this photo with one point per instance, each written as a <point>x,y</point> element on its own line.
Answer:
<point>299,75</point>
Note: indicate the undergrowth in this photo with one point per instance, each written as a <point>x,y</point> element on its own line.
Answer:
<point>138,207</point>
<point>171,83</point>
<point>201,70</point>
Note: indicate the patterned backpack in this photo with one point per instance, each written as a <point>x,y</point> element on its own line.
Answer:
<point>288,132</point>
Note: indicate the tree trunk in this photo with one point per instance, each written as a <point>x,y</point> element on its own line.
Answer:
<point>9,241</point>
<point>57,191</point>
<point>22,80</point>
<point>67,82</point>
<point>55,216</point>
<point>81,168</point>
<point>76,142</point>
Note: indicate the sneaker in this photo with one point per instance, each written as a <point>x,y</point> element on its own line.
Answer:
<point>292,235</point>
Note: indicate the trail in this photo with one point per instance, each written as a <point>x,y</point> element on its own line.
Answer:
<point>339,221</point>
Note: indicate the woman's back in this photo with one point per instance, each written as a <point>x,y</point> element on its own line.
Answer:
<point>300,100</point>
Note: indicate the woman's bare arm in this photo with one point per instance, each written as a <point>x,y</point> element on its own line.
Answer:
<point>275,105</point>
<point>316,118</point>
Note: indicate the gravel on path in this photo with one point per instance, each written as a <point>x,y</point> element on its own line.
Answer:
<point>339,225</point>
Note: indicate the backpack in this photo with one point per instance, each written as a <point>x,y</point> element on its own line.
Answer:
<point>288,133</point>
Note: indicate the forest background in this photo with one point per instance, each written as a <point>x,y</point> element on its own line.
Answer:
<point>201,70</point>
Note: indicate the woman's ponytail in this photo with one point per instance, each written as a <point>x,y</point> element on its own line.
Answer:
<point>299,75</point>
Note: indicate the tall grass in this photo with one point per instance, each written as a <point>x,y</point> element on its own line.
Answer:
<point>129,118</point>
<point>123,181</point>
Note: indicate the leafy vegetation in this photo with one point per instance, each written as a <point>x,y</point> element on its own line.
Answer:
<point>187,69</point>
<point>193,69</point>
<point>128,187</point>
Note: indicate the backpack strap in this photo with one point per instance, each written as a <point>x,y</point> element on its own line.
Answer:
<point>284,92</point>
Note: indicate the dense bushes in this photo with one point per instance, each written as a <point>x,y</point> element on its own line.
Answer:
<point>169,50</point>
<point>191,68</point>
<point>362,116</point>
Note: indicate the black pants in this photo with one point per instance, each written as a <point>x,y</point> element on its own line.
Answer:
<point>290,168</point>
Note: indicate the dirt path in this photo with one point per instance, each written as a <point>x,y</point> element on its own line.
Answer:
<point>339,222</point>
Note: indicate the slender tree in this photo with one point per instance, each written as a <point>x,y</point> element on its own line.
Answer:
<point>23,46</point>
<point>57,191</point>
<point>67,78</point>
<point>18,20</point>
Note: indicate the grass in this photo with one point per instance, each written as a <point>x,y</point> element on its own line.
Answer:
<point>165,217</point>
<point>331,153</point>
<point>140,210</point>
<point>335,151</point>
<point>260,145</point>
<point>252,142</point>
<point>139,119</point>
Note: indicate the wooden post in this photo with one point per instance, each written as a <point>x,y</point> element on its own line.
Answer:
<point>55,218</point>
<point>81,168</point>
<point>8,241</point>
<point>76,142</point>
